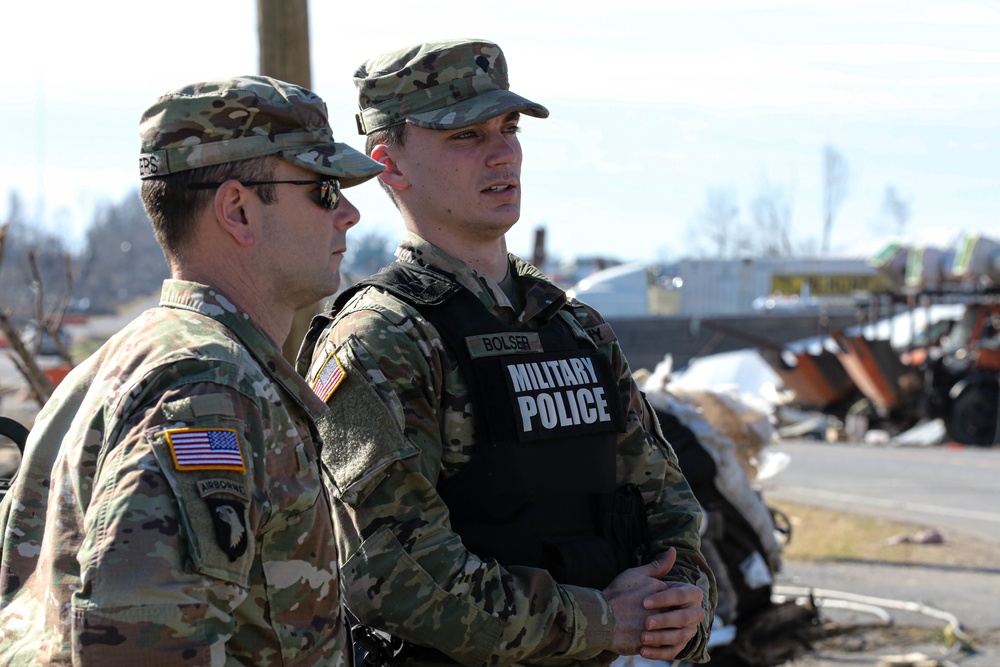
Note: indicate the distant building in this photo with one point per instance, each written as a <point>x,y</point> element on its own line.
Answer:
<point>729,286</point>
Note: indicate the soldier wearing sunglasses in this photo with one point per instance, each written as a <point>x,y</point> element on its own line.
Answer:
<point>169,508</point>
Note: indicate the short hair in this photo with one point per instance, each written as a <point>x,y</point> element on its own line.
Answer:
<point>393,135</point>
<point>172,206</point>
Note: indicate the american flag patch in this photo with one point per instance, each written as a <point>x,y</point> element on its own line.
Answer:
<point>206,449</point>
<point>329,378</point>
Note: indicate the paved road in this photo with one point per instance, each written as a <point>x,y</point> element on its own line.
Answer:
<point>951,489</point>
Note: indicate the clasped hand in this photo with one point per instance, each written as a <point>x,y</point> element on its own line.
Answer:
<point>653,618</point>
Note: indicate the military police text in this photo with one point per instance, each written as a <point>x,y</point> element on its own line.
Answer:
<point>582,401</point>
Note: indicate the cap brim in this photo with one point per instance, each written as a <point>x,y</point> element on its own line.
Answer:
<point>347,165</point>
<point>477,109</point>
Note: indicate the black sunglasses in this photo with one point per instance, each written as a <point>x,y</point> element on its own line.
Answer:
<point>329,190</point>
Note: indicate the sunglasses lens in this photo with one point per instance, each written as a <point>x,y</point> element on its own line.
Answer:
<point>329,193</point>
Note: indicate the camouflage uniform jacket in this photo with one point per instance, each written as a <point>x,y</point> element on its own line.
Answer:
<point>169,509</point>
<point>406,571</point>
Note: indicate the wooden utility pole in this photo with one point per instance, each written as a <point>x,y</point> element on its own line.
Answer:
<point>283,34</point>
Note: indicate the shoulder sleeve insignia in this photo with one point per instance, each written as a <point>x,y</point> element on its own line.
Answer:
<point>206,449</point>
<point>229,518</point>
<point>330,375</point>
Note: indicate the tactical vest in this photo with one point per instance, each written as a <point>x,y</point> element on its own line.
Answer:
<point>539,489</point>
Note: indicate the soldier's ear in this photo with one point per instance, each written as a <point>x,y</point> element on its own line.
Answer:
<point>393,175</point>
<point>233,211</point>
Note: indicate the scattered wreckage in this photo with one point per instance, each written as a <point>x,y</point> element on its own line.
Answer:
<point>928,350</point>
<point>723,439</point>
<point>721,444</point>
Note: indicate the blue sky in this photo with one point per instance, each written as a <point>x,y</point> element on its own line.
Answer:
<point>653,104</point>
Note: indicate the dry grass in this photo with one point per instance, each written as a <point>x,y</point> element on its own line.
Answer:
<point>824,534</point>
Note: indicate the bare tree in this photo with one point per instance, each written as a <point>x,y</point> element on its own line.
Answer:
<point>896,208</point>
<point>46,323</point>
<point>15,208</point>
<point>121,259</point>
<point>772,217</point>
<point>720,220</point>
<point>34,256</point>
<point>836,175</point>
<point>370,251</point>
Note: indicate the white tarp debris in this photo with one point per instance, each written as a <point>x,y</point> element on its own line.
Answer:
<point>742,372</point>
<point>734,434</point>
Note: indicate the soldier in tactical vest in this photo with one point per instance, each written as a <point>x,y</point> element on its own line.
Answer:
<point>503,492</point>
<point>169,508</point>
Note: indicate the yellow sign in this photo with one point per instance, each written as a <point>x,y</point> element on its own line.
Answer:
<point>822,284</point>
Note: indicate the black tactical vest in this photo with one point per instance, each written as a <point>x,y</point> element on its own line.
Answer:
<point>539,489</point>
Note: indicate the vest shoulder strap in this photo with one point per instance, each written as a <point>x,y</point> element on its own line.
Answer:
<point>416,285</point>
<point>411,283</point>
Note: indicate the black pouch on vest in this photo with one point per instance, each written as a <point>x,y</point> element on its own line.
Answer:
<point>622,521</point>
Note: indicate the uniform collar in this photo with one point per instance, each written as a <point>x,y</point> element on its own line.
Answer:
<point>542,298</point>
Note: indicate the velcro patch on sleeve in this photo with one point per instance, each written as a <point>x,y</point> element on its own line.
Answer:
<point>330,375</point>
<point>191,408</point>
<point>206,449</point>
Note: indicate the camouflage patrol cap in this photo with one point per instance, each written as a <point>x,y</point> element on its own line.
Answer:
<point>438,86</point>
<point>215,122</point>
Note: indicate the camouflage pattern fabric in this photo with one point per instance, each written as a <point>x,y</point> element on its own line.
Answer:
<point>122,547</point>
<point>402,422</point>
<point>245,117</point>
<point>439,86</point>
